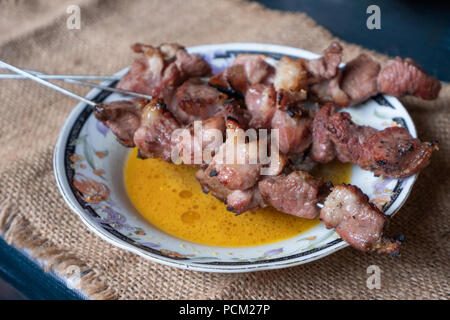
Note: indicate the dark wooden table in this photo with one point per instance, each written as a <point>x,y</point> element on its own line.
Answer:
<point>412,28</point>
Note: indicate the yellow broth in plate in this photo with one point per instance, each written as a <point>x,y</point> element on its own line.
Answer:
<point>170,198</point>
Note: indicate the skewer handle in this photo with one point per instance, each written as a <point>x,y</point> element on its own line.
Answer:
<point>61,77</point>
<point>46,83</point>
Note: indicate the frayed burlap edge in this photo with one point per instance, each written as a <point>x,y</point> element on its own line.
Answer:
<point>17,231</point>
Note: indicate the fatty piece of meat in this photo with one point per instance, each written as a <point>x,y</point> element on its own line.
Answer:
<point>257,70</point>
<point>401,77</point>
<point>294,131</point>
<point>196,100</point>
<point>237,201</point>
<point>160,67</point>
<point>393,153</point>
<point>123,118</point>
<point>260,102</point>
<point>146,73</point>
<point>348,210</point>
<point>245,71</point>
<point>240,201</point>
<point>197,144</point>
<point>297,193</point>
<point>290,74</point>
<point>236,164</point>
<point>291,82</point>
<point>154,136</point>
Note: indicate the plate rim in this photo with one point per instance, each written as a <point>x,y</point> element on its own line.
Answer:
<point>64,186</point>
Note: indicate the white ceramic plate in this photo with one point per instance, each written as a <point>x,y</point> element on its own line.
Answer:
<point>88,155</point>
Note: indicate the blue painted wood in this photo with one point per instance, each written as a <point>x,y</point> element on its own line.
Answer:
<point>409,28</point>
<point>29,279</point>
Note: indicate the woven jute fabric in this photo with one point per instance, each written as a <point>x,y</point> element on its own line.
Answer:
<point>33,215</point>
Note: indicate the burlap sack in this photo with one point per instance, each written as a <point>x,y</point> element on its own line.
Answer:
<point>34,34</point>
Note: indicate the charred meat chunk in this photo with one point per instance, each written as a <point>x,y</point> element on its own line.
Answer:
<point>322,149</point>
<point>348,210</point>
<point>123,118</point>
<point>195,100</point>
<point>392,152</point>
<point>297,193</point>
<point>154,136</point>
<point>347,136</point>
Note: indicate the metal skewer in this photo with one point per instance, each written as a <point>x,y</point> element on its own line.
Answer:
<point>60,77</point>
<point>46,83</point>
<point>39,77</point>
<point>94,85</point>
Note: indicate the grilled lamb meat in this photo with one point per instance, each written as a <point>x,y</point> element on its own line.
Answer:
<point>154,136</point>
<point>257,70</point>
<point>355,83</point>
<point>200,146</point>
<point>329,90</point>
<point>168,64</point>
<point>208,137</point>
<point>192,65</point>
<point>297,193</point>
<point>240,201</point>
<point>394,153</point>
<point>359,78</point>
<point>391,152</point>
<point>246,70</point>
<point>326,66</point>
<point>123,118</point>
<point>260,102</point>
<point>232,111</point>
<point>294,131</point>
<point>401,77</point>
<point>362,78</point>
<point>195,100</point>
<point>347,137</point>
<point>322,149</point>
<point>232,172</point>
<point>237,201</point>
<point>291,81</point>
<point>348,210</point>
